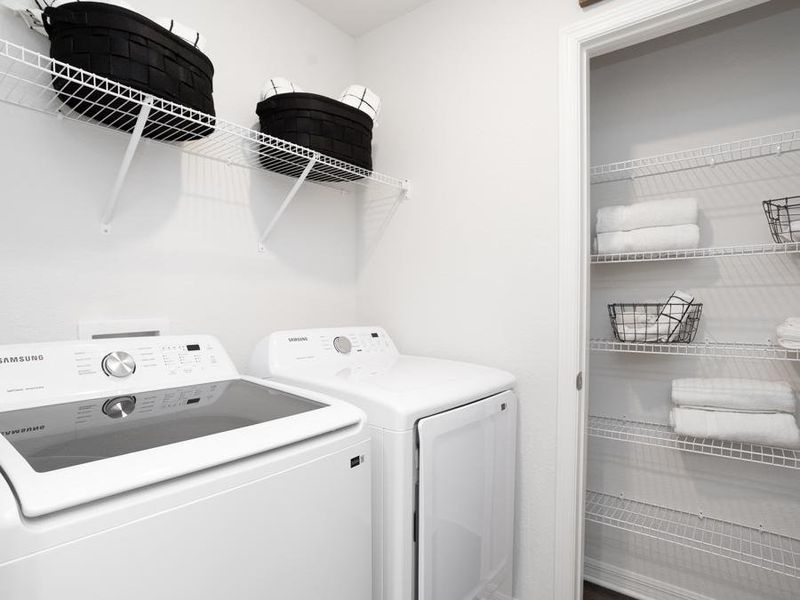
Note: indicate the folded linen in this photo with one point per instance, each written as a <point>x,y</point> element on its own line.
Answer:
<point>657,213</point>
<point>649,239</point>
<point>771,429</point>
<point>641,333</point>
<point>740,395</point>
<point>627,319</point>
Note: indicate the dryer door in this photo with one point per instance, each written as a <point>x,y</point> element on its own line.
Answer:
<point>466,501</point>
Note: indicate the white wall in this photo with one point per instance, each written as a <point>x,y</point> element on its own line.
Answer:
<point>726,80</point>
<point>466,269</point>
<point>184,239</point>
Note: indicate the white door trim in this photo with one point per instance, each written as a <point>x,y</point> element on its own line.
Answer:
<point>605,30</point>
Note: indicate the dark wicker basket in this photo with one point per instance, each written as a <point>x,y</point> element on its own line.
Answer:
<point>321,124</point>
<point>651,323</point>
<point>783,218</point>
<point>130,49</point>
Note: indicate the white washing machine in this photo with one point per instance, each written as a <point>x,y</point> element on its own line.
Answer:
<point>444,443</point>
<point>148,468</point>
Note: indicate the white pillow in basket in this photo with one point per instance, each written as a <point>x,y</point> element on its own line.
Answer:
<point>278,85</point>
<point>362,98</point>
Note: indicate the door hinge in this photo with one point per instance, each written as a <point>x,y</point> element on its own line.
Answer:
<point>579,381</point>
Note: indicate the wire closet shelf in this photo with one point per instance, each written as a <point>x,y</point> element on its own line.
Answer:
<point>695,158</point>
<point>749,545</point>
<point>705,349</point>
<point>692,253</point>
<point>662,436</point>
<point>26,80</point>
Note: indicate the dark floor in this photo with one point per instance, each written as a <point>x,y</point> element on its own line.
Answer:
<point>595,592</point>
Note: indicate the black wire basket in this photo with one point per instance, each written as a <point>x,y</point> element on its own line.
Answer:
<point>783,218</point>
<point>665,323</point>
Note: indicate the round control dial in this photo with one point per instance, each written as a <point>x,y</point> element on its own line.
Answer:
<point>342,344</point>
<point>119,407</point>
<point>118,364</point>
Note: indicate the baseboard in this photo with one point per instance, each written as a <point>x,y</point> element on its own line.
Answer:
<point>634,585</point>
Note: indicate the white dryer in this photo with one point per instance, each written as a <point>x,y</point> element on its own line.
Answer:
<point>444,443</point>
<point>148,468</point>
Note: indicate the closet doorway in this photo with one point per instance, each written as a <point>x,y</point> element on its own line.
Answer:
<point>599,34</point>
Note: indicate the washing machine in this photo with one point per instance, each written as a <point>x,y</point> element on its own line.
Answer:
<point>443,457</point>
<point>149,468</point>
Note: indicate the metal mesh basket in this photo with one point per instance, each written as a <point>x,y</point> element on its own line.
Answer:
<point>665,323</point>
<point>783,217</point>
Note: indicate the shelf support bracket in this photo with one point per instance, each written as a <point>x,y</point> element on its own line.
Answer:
<point>405,190</point>
<point>289,197</point>
<point>133,144</point>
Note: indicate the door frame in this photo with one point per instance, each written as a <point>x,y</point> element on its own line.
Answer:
<point>606,28</point>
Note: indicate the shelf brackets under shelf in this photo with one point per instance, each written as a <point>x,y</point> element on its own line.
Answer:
<point>289,197</point>
<point>133,144</point>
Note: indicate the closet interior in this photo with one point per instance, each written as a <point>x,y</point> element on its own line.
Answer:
<point>693,458</point>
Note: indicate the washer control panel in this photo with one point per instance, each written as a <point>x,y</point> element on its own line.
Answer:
<point>35,374</point>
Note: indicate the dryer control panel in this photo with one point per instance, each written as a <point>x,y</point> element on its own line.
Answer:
<point>344,346</point>
<point>49,373</point>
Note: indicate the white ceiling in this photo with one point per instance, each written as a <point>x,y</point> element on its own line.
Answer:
<point>360,16</point>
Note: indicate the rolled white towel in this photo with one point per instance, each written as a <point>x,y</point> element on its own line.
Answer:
<point>770,429</point>
<point>187,34</point>
<point>734,394</point>
<point>657,213</point>
<point>789,344</point>
<point>673,315</point>
<point>789,332</point>
<point>362,98</point>
<point>649,239</point>
<point>276,86</point>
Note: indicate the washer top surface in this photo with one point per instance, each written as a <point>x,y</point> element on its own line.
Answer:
<point>394,390</point>
<point>74,428</point>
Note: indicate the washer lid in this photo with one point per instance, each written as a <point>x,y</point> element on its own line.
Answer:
<point>65,454</point>
<point>396,391</point>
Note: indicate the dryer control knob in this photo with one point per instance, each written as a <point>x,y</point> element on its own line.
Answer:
<point>119,407</point>
<point>342,344</point>
<point>119,364</point>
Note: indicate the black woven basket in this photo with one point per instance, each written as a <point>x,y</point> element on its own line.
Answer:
<point>130,49</point>
<point>783,218</point>
<point>666,323</point>
<point>321,124</point>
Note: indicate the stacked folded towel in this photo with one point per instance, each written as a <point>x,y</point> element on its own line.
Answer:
<point>650,327</point>
<point>737,410</point>
<point>648,226</point>
<point>789,333</point>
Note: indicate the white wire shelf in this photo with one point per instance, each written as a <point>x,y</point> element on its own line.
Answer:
<point>26,80</point>
<point>662,436</point>
<point>691,253</point>
<point>704,349</point>
<point>705,156</point>
<point>749,545</point>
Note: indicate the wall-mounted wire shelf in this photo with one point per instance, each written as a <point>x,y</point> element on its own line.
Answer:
<point>26,80</point>
<point>662,436</point>
<point>719,252</point>
<point>749,545</point>
<point>706,156</point>
<point>703,349</point>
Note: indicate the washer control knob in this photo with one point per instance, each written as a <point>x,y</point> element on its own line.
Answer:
<point>119,364</point>
<point>342,344</point>
<point>119,407</point>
